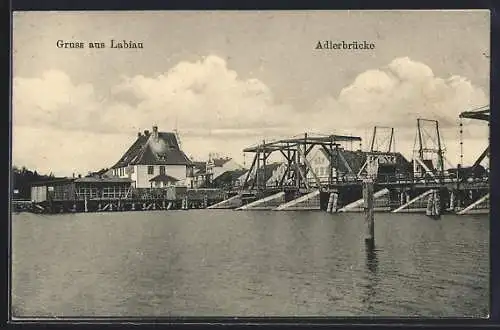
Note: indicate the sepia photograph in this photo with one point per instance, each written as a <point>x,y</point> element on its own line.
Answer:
<point>250,164</point>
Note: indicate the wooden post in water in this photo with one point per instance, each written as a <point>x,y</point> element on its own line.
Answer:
<point>452,200</point>
<point>368,211</point>
<point>332,202</point>
<point>86,205</point>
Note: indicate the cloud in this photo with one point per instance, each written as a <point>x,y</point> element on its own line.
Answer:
<point>396,95</point>
<point>65,152</point>
<point>204,95</point>
<point>217,110</point>
<point>399,93</point>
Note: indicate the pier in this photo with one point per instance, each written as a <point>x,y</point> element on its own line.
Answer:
<point>116,194</point>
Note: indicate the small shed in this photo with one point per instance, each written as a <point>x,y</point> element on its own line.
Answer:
<point>163,180</point>
<point>54,189</point>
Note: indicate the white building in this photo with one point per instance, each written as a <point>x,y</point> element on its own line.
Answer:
<point>155,160</point>
<point>319,161</point>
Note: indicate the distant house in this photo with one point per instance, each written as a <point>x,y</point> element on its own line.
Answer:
<point>347,164</point>
<point>277,172</point>
<point>199,174</point>
<point>218,166</point>
<point>270,174</point>
<point>229,179</point>
<point>101,173</point>
<point>155,160</point>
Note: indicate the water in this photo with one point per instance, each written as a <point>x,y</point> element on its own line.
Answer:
<point>229,263</point>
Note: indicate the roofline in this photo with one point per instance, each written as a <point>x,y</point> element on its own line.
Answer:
<point>56,180</point>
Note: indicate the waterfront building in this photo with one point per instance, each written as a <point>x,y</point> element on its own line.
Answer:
<point>277,172</point>
<point>270,174</point>
<point>346,164</point>
<point>216,166</point>
<point>199,174</point>
<point>155,160</point>
<point>229,179</point>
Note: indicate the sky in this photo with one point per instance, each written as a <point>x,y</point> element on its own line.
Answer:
<point>228,80</point>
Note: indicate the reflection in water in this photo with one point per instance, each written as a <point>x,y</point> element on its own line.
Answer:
<point>226,263</point>
<point>371,276</point>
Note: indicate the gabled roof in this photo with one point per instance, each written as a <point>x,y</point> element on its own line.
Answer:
<point>103,180</point>
<point>356,159</point>
<point>229,176</point>
<point>146,150</point>
<point>219,162</point>
<point>269,169</point>
<point>200,166</point>
<point>163,178</point>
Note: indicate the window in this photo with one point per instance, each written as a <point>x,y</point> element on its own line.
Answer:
<point>151,170</point>
<point>162,169</point>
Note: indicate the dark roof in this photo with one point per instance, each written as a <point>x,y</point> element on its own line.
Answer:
<point>163,178</point>
<point>200,166</point>
<point>103,179</point>
<point>269,169</point>
<point>48,181</point>
<point>230,176</point>
<point>147,151</point>
<point>356,159</point>
<point>220,161</point>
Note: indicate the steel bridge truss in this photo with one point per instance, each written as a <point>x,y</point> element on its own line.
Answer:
<point>428,151</point>
<point>382,151</point>
<point>297,166</point>
<point>482,113</point>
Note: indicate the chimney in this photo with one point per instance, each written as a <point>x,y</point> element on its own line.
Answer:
<point>139,134</point>
<point>146,132</point>
<point>155,132</point>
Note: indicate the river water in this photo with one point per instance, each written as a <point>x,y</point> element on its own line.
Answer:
<point>248,263</point>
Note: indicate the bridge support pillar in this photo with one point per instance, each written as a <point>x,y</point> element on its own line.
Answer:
<point>452,200</point>
<point>332,202</point>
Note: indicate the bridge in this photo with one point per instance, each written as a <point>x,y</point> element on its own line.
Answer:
<point>402,185</point>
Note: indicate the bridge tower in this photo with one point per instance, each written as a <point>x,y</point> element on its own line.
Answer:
<point>428,151</point>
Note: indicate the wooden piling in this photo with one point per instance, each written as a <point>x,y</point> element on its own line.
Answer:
<point>86,205</point>
<point>368,210</point>
<point>452,201</point>
<point>332,202</point>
